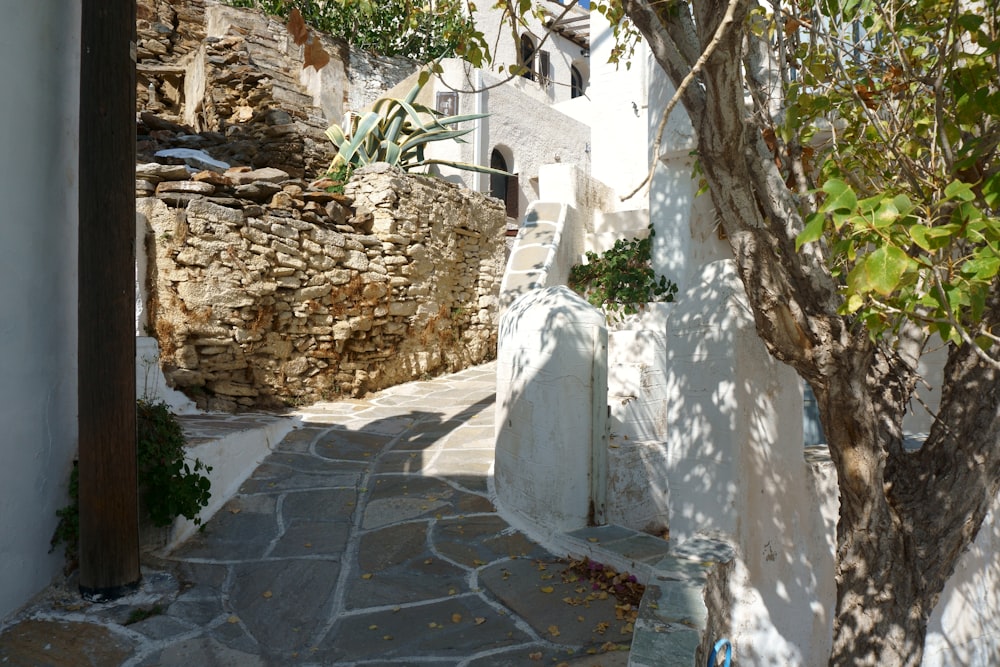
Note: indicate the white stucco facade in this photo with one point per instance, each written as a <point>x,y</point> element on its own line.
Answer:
<point>39,77</point>
<point>549,85</point>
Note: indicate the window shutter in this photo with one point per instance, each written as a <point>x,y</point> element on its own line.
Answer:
<point>512,196</point>
<point>544,69</point>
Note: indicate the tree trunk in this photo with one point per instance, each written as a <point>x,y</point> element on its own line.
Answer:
<point>905,517</point>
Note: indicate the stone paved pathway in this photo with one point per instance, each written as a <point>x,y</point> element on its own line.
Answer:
<point>367,538</point>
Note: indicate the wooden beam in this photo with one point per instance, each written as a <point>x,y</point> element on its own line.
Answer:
<point>109,515</point>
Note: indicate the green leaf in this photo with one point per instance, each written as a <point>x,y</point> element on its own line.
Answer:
<point>854,303</point>
<point>812,231</point>
<point>884,268</point>
<point>982,268</point>
<point>885,215</point>
<point>918,234</point>
<point>959,190</point>
<point>840,196</point>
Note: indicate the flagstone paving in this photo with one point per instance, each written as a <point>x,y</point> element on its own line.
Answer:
<point>367,538</point>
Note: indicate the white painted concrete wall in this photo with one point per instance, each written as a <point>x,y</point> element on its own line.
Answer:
<point>638,488</point>
<point>526,130</point>
<point>550,408</point>
<point>621,114</point>
<point>39,100</point>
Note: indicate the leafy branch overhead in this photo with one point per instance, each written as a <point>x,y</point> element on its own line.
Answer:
<point>420,31</point>
<point>905,124</point>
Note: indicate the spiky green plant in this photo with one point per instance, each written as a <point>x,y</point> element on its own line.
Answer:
<point>398,131</point>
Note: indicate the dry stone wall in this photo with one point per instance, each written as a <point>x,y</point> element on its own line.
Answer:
<point>204,67</point>
<point>266,292</point>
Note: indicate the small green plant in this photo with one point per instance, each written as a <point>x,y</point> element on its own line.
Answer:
<point>142,613</point>
<point>340,175</point>
<point>169,484</point>
<point>621,280</point>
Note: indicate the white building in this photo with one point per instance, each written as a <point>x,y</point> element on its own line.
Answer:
<point>39,74</point>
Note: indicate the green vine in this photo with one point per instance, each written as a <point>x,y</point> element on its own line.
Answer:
<point>621,280</point>
<point>169,484</point>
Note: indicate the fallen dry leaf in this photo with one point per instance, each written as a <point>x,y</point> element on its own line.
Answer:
<point>554,630</point>
<point>456,618</point>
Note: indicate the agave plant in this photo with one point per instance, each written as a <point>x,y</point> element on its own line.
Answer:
<point>397,131</point>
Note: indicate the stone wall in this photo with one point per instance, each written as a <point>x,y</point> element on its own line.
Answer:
<point>206,68</point>
<point>265,292</point>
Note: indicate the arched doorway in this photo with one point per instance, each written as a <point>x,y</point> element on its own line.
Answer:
<point>504,187</point>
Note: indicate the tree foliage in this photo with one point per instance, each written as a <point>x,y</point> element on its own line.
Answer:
<point>422,31</point>
<point>901,105</point>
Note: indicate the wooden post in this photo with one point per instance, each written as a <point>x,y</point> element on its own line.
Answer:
<point>109,515</point>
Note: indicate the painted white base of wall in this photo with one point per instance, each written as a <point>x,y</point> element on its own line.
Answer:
<point>233,458</point>
<point>150,385</point>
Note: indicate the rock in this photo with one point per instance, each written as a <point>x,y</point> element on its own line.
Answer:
<point>154,122</point>
<point>156,172</point>
<point>213,177</point>
<point>193,187</point>
<point>230,388</point>
<point>266,174</point>
<point>257,191</point>
<point>277,117</point>
<point>194,158</point>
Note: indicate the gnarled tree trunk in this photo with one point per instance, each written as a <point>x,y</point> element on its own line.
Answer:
<point>905,517</point>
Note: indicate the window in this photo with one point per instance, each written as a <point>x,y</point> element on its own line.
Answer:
<point>544,69</point>
<point>528,56</point>
<point>576,82</point>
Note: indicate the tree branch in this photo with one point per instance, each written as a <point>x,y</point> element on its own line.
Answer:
<point>727,21</point>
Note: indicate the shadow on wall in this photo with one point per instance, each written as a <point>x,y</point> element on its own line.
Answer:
<point>964,628</point>
<point>737,469</point>
<point>638,468</point>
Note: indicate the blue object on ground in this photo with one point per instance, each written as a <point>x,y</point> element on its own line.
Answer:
<point>715,651</point>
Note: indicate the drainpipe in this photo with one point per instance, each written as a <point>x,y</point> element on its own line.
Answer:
<point>480,138</point>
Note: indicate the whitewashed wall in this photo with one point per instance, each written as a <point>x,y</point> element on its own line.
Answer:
<point>620,110</point>
<point>528,132</point>
<point>563,52</point>
<point>39,100</point>
<point>550,420</point>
